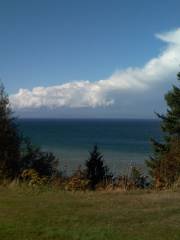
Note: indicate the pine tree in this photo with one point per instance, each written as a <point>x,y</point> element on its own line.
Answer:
<point>95,168</point>
<point>10,139</point>
<point>164,165</point>
<point>17,153</point>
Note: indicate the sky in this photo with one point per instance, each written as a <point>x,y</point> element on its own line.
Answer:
<point>89,59</point>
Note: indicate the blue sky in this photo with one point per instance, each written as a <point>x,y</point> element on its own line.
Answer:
<point>47,43</point>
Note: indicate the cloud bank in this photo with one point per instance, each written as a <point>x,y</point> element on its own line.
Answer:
<point>117,89</point>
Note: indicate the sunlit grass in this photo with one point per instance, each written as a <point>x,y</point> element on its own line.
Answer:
<point>27,214</point>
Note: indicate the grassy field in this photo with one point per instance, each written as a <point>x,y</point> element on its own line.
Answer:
<point>27,214</point>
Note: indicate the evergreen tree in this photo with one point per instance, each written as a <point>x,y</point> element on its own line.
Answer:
<point>95,168</point>
<point>10,139</point>
<point>165,162</point>
<point>32,157</point>
<point>18,153</point>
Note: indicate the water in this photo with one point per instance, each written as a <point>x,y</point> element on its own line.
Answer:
<point>120,141</point>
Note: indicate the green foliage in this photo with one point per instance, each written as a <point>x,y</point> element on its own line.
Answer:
<point>10,139</point>
<point>32,157</point>
<point>171,122</point>
<point>18,153</point>
<point>168,171</point>
<point>95,168</point>
<point>138,179</point>
<point>165,161</point>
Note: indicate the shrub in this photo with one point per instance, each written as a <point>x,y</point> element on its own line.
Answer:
<point>78,181</point>
<point>33,178</point>
<point>138,179</point>
<point>44,163</point>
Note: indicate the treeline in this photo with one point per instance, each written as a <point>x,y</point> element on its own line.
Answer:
<point>20,160</point>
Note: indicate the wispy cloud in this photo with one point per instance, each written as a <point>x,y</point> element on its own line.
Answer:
<point>80,94</point>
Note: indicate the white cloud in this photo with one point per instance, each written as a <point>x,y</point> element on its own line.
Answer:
<point>101,93</point>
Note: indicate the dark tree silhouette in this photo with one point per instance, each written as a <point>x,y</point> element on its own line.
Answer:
<point>32,157</point>
<point>164,165</point>
<point>10,139</point>
<point>95,168</point>
<point>17,153</point>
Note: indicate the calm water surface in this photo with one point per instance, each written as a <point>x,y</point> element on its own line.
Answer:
<point>120,141</point>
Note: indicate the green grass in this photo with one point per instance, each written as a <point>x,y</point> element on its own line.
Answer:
<point>48,214</point>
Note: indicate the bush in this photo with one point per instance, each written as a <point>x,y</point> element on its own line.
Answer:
<point>138,179</point>
<point>32,177</point>
<point>78,181</point>
<point>44,163</point>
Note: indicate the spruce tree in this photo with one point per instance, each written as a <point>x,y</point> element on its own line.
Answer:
<point>95,168</point>
<point>10,139</point>
<point>17,153</point>
<point>164,165</point>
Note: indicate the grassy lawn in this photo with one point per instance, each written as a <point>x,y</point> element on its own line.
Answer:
<point>27,214</point>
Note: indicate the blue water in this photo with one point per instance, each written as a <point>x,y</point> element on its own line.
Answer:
<point>120,141</point>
